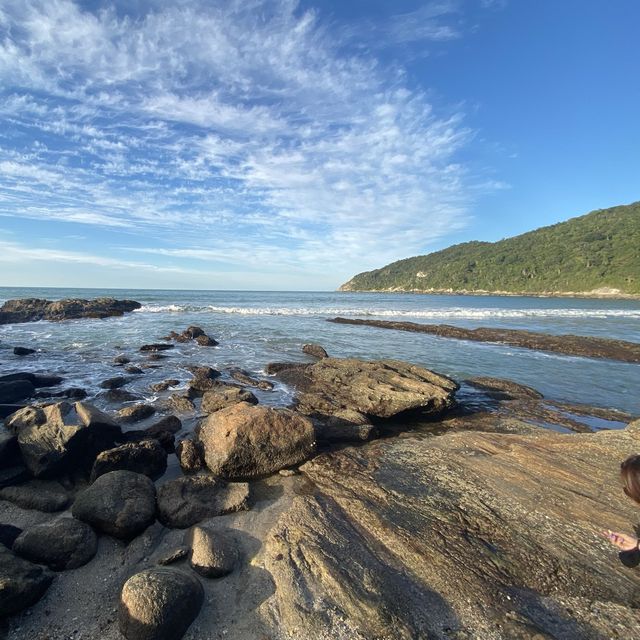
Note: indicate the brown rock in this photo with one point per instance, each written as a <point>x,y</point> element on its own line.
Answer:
<point>314,350</point>
<point>213,552</point>
<point>225,397</point>
<point>190,456</point>
<point>146,457</point>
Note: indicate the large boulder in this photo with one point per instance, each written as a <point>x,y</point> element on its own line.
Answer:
<point>213,553</point>
<point>247,441</point>
<point>34,309</point>
<point>376,390</point>
<point>25,417</point>
<point>15,390</point>
<point>225,397</point>
<point>62,544</point>
<point>186,501</point>
<point>21,583</point>
<point>159,604</point>
<point>146,457</point>
<point>119,503</point>
<point>70,438</point>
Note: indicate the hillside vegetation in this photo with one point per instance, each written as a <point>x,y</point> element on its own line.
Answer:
<point>597,251</point>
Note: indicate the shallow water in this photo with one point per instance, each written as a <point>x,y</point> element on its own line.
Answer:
<point>255,328</point>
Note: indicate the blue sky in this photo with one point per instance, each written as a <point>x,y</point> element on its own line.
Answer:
<point>275,144</point>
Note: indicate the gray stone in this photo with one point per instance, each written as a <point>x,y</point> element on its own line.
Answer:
<point>16,390</point>
<point>146,457</point>
<point>213,553</point>
<point>21,583</point>
<point>41,495</point>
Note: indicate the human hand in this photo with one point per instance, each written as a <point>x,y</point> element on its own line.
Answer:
<point>620,540</point>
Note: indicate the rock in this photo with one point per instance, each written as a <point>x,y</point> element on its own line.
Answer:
<point>190,456</point>
<point>181,404</point>
<point>491,535</point>
<point>34,309</point>
<point>157,356</point>
<point>274,368</point>
<point>156,347</point>
<point>119,395</point>
<point>247,441</point>
<point>186,501</point>
<point>14,391</point>
<point>135,413</point>
<point>62,544</point>
<point>377,390</point>
<point>119,503</point>
<point>203,372</point>
<point>67,440</point>
<point>213,553</point>
<point>134,370</point>
<point>9,451</point>
<point>164,438</point>
<point>114,383</point>
<point>163,386</point>
<point>39,495</point>
<point>193,332</point>
<point>13,475</point>
<point>121,360</point>
<point>8,535</point>
<point>7,409</point>
<point>175,556</point>
<point>23,351</point>
<point>159,604</point>
<point>72,393</point>
<point>314,350</point>
<point>206,341</point>
<point>21,583</point>
<point>172,424</point>
<point>345,432</point>
<point>225,397</point>
<point>204,379</point>
<point>37,380</point>
<point>244,378</point>
<point>146,457</point>
<point>504,389</point>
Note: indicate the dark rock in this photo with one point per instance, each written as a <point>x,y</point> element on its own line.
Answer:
<point>156,347</point>
<point>172,424</point>
<point>277,367</point>
<point>23,351</point>
<point>115,383</point>
<point>21,583</point>
<point>8,535</point>
<point>377,390</point>
<point>180,403</point>
<point>345,432</point>
<point>174,556</point>
<point>206,341</point>
<point>190,456</point>
<point>157,356</point>
<point>7,409</point>
<point>504,389</point>
<point>247,441</point>
<point>213,553</point>
<point>10,476</point>
<point>72,393</point>
<point>119,503</point>
<point>188,500</point>
<point>62,544</point>
<point>244,378</point>
<point>33,309</point>
<point>135,413</point>
<point>314,350</point>
<point>121,360</point>
<point>134,370</point>
<point>9,451</point>
<point>146,457</point>
<point>11,392</point>
<point>39,495</point>
<point>119,395</point>
<point>159,604</point>
<point>193,332</point>
<point>163,386</point>
<point>204,379</point>
<point>203,372</point>
<point>39,380</point>
<point>25,417</point>
<point>226,397</point>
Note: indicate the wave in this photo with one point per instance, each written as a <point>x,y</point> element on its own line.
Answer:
<point>453,312</point>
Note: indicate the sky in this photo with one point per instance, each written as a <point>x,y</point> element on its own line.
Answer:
<point>288,145</point>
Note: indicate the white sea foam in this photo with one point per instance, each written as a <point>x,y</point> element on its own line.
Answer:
<point>439,314</point>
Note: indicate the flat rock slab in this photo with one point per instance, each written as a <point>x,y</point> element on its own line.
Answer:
<point>188,500</point>
<point>586,346</point>
<point>379,389</point>
<point>466,535</point>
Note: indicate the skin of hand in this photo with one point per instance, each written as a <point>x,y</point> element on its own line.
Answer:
<point>621,540</point>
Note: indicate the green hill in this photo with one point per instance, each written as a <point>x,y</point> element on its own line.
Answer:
<point>597,251</point>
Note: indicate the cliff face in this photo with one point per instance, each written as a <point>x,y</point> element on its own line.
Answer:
<point>598,254</point>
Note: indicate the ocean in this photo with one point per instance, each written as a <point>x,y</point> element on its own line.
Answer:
<point>255,328</point>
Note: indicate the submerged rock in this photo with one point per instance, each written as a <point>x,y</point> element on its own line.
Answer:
<point>15,390</point>
<point>159,604</point>
<point>243,377</point>
<point>23,351</point>
<point>315,350</point>
<point>247,441</point>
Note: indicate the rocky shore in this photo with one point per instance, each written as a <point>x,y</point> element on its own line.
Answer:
<point>584,346</point>
<point>34,309</point>
<point>386,501</point>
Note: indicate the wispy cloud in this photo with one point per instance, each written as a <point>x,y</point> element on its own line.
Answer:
<point>226,131</point>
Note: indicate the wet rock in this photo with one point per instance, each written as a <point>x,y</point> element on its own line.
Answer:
<point>135,413</point>
<point>134,370</point>
<point>62,544</point>
<point>274,368</point>
<point>163,386</point>
<point>36,379</point>
<point>203,372</point>
<point>146,457</point>
<point>213,553</point>
<point>72,393</point>
<point>159,604</point>
<point>181,403</point>
<point>23,351</point>
<point>188,500</point>
<point>16,390</point>
<point>37,494</point>
<point>121,360</point>
<point>9,451</point>
<point>172,424</point>
<point>377,390</point>
<point>248,441</point>
<point>157,356</point>
<point>21,583</point>
<point>225,397</point>
<point>244,378</point>
<point>8,535</point>
<point>344,431</point>
<point>34,309</point>
<point>315,350</point>
<point>190,456</point>
<point>119,503</point>
<point>504,389</point>
<point>204,379</point>
<point>206,341</point>
<point>156,347</point>
<point>115,383</point>
<point>193,332</point>
<point>119,395</point>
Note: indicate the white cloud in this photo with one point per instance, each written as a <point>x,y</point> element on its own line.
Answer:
<point>240,129</point>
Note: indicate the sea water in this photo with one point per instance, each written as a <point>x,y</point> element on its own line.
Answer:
<point>255,328</point>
